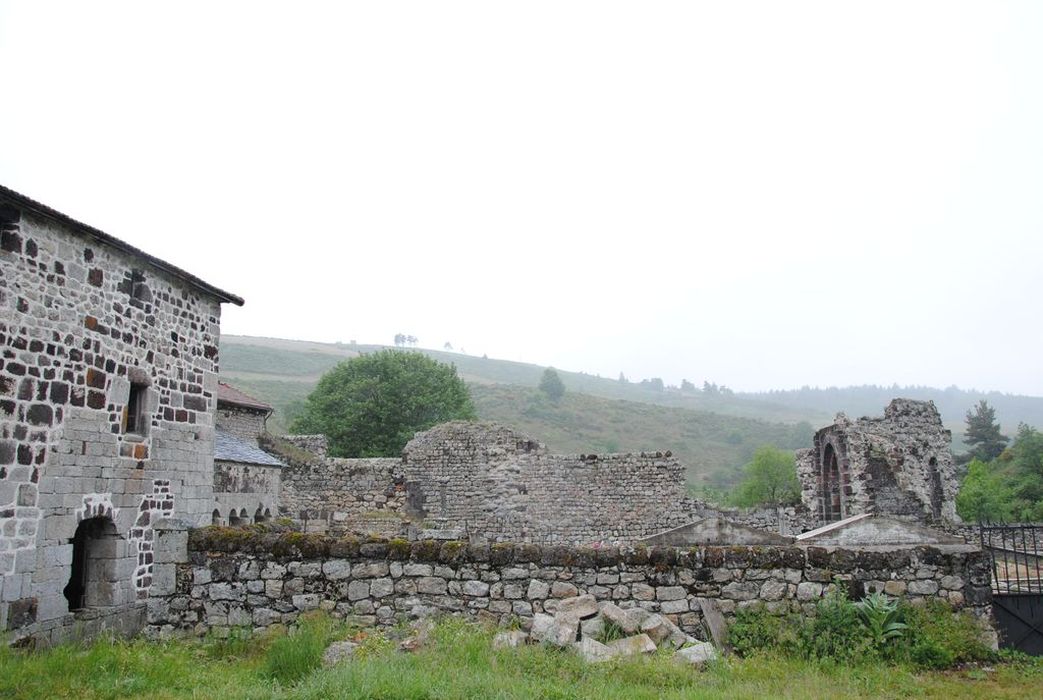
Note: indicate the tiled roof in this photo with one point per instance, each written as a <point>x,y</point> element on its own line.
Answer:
<point>229,394</point>
<point>23,202</point>
<point>229,448</point>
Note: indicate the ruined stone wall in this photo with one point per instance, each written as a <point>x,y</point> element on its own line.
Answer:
<point>81,321</point>
<point>501,485</point>
<point>245,492</point>
<point>271,579</point>
<point>245,424</point>
<point>338,495</point>
<point>899,465</point>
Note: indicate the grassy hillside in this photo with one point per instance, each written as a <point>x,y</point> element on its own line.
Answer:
<point>712,445</point>
<point>277,359</point>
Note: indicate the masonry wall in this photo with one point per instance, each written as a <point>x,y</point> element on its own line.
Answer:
<point>257,580</point>
<point>504,486</point>
<point>245,424</point>
<point>245,492</point>
<point>79,322</point>
<point>900,465</point>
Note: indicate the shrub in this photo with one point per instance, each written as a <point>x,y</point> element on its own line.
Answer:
<point>939,637</point>
<point>882,619</point>
<point>836,631</point>
<point>757,630</point>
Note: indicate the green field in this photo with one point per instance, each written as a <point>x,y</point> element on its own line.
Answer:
<point>458,662</point>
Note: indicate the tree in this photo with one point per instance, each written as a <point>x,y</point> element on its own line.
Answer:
<point>1026,458</point>
<point>448,346</point>
<point>551,384</point>
<point>370,406</point>
<point>983,433</point>
<point>769,479</point>
<point>687,387</point>
<point>983,494</point>
<point>623,378</point>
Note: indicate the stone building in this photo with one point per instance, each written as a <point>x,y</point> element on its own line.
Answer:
<point>108,387</point>
<point>899,465</point>
<point>247,479</point>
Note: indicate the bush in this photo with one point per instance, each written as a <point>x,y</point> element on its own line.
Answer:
<point>757,630</point>
<point>938,637</point>
<point>836,631</point>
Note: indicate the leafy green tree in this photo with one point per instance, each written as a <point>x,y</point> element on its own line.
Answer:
<point>1026,458</point>
<point>551,384</point>
<point>984,494</point>
<point>983,433</point>
<point>370,406</point>
<point>769,479</point>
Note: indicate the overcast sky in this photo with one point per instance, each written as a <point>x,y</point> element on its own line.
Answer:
<point>764,195</point>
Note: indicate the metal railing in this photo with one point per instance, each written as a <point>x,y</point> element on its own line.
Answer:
<point>1017,557</point>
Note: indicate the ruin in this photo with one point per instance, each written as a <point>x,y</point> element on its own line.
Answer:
<point>900,465</point>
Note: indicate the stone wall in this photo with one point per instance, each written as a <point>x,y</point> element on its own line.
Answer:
<point>84,325</point>
<point>245,493</point>
<point>501,485</point>
<point>899,465</point>
<point>244,423</point>
<point>255,580</point>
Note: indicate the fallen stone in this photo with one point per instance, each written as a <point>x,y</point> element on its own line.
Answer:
<point>592,627</point>
<point>542,626</point>
<point>337,652</point>
<point>565,629</point>
<point>698,654</point>
<point>628,620</point>
<point>714,620</point>
<point>581,606</point>
<point>421,632</point>
<point>660,629</point>
<point>629,646</point>
<point>593,651</point>
<point>509,639</point>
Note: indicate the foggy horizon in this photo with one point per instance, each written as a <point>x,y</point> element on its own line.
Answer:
<point>762,196</point>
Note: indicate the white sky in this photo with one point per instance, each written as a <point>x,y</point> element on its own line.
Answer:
<point>761,194</point>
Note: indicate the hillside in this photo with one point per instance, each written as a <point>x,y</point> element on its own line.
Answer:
<point>713,434</point>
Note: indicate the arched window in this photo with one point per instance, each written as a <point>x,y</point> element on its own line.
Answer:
<point>832,486</point>
<point>258,515</point>
<point>93,583</point>
<point>215,518</point>
<point>233,518</point>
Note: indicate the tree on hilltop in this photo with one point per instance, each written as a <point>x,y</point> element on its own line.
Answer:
<point>370,406</point>
<point>983,433</point>
<point>551,384</point>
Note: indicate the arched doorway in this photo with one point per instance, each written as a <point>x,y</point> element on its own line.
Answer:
<point>832,485</point>
<point>215,517</point>
<point>93,583</point>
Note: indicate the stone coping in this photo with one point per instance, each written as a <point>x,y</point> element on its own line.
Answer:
<point>291,545</point>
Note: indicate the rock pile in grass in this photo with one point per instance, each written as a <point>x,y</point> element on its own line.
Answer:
<point>603,631</point>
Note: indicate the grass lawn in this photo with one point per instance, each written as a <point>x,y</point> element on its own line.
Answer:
<point>458,662</point>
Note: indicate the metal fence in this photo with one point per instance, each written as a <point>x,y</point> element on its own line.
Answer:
<point>1017,557</point>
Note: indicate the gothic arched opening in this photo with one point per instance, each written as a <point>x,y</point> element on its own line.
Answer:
<point>92,582</point>
<point>832,486</point>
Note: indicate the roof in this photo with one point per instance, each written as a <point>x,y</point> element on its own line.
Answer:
<point>227,393</point>
<point>229,448</point>
<point>24,202</point>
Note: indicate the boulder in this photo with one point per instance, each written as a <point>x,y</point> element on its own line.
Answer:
<point>628,620</point>
<point>629,646</point>
<point>698,654</point>
<point>581,606</point>
<point>592,627</point>
<point>337,652</point>
<point>541,627</point>
<point>592,651</point>
<point>660,629</point>
<point>560,630</point>
<point>509,639</point>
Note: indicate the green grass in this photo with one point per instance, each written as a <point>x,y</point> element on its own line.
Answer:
<point>459,662</point>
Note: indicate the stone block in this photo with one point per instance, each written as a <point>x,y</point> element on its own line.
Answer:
<point>630,646</point>
<point>579,606</point>
<point>593,651</point>
<point>698,654</point>
<point>538,590</point>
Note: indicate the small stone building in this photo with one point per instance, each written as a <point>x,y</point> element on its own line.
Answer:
<point>108,387</point>
<point>900,465</point>
<point>247,479</point>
